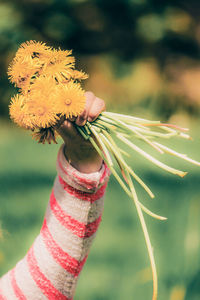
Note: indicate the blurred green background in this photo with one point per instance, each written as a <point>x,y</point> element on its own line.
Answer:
<point>143,59</point>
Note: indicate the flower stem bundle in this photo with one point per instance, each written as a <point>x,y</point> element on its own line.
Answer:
<point>50,92</point>
<point>111,130</point>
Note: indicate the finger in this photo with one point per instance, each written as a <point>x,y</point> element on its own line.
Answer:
<point>97,107</point>
<point>82,118</point>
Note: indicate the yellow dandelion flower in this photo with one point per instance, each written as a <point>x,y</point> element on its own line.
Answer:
<point>79,75</point>
<point>46,57</point>
<point>58,70</point>
<point>43,111</point>
<point>53,56</point>
<point>20,71</point>
<point>58,64</point>
<point>70,99</point>
<point>62,54</point>
<point>18,112</point>
<point>43,87</point>
<point>31,49</point>
<point>54,59</point>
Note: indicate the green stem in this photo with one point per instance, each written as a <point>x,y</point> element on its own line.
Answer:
<point>177,154</point>
<point>126,169</point>
<point>151,158</point>
<point>137,178</point>
<point>105,150</point>
<point>147,238</point>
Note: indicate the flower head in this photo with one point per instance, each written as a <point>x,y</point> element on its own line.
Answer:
<point>43,111</point>
<point>21,71</point>
<point>59,71</point>
<point>59,65</point>
<point>43,88</point>
<point>32,49</point>
<point>79,75</point>
<point>52,56</point>
<point>19,113</point>
<point>70,99</point>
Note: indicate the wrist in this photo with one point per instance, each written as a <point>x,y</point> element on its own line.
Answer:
<point>84,159</point>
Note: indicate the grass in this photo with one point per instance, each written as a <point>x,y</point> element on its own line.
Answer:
<point>118,266</point>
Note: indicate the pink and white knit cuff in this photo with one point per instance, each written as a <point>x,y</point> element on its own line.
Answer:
<point>89,183</point>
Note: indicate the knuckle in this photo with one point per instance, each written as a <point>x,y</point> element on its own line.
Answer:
<point>100,102</point>
<point>93,116</point>
<point>89,94</point>
<point>66,126</point>
<point>101,105</point>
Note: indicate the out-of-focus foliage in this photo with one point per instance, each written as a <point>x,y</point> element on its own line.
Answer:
<point>137,52</point>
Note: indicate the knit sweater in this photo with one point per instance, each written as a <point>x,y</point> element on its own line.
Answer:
<point>52,265</point>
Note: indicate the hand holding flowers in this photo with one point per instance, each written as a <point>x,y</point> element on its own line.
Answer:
<point>78,151</point>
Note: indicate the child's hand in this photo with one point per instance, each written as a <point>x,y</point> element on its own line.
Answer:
<point>79,152</point>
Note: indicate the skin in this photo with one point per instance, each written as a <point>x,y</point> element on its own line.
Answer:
<point>79,152</point>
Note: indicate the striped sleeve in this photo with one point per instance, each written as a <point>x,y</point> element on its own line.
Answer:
<point>51,267</point>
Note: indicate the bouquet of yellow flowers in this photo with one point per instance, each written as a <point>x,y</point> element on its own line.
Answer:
<point>49,89</point>
<point>50,92</point>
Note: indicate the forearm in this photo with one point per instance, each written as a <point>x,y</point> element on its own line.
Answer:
<point>50,269</point>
